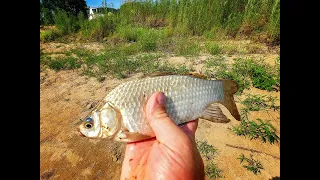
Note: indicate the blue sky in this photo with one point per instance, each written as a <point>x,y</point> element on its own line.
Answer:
<point>98,3</point>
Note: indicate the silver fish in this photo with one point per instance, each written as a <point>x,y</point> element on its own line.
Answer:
<point>121,114</point>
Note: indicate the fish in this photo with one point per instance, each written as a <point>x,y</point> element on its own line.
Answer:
<point>121,114</point>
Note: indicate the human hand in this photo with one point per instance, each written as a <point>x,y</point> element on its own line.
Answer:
<point>172,154</point>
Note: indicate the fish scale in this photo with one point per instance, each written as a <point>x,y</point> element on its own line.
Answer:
<point>186,99</point>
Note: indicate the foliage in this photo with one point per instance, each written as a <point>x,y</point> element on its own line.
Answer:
<point>252,164</point>
<point>265,131</point>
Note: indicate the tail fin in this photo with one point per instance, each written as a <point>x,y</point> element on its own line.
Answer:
<point>230,87</point>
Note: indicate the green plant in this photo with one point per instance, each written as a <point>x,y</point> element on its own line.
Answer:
<point>244,71</point>
<point>254,102</point>
<point>265,131</point>
<point>65,22</point>
<point>272,100</point>
<point>206,149</point>
<point>261,79</point>
<point>149,40</point>
<point>187,48</point>
<point>253,165</point>
<point>64,63</point>
<point>98,28</point>
<point>213,48</point>
<point>49,35</point>
<point>212,171</point>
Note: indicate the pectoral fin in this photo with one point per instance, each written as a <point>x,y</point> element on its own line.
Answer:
<point>214,113</point>
<point>126,136</point>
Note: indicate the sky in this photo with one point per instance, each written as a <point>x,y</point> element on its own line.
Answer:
<point>98,3</point>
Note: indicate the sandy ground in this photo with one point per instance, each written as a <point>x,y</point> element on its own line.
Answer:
<point>66,96</point>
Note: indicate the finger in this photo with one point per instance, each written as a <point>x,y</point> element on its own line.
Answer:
<point>166,131</point>
<point>190,128</point>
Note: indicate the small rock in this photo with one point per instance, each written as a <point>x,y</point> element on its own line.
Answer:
<point>84,104</point>
<point>114,158</point>
<point>89,106</point>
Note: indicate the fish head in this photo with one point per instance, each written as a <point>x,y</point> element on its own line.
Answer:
<point>101,123</point>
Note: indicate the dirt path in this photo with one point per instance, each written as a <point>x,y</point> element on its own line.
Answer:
<point>66,96</point>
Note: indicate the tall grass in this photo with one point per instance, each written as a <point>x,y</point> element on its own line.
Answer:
<point>197,17</point>
<point>209,18</point>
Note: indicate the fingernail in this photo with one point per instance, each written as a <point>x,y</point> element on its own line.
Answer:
<point>161,99</point>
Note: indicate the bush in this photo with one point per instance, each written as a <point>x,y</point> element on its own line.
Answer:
<point>97,28</point>
<point>149,40</point>
<point>65,23</point>
<point>213,48</point>
<point>49,35</point>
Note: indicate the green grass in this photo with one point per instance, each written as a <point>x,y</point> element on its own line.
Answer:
<point>254,102</point>
<point>251,164</point>
<point>247,72</point>
<point>64,63</point>
<point>49,35</point>
<point>213,48</point>
<point>211,19</point>
<point>212,171</point>
<point>208,152</point>
<point>261,130</point>
<point>185,47</point>
<point>206,149</point>
<point>119,62</point>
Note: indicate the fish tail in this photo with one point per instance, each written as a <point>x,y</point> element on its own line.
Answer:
<point>230,87</point>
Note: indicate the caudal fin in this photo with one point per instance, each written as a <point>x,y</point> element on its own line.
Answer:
<point>230,87</point>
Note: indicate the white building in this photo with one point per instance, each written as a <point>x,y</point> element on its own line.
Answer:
<point>93,12</point>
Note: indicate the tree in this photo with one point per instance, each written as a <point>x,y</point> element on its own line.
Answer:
<point>72,7</point>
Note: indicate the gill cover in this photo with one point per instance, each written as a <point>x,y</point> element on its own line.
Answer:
<point>110,119</point>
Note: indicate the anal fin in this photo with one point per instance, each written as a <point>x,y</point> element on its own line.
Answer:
<point>214,113</point>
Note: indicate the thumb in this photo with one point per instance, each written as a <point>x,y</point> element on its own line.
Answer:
<point>165,129</point>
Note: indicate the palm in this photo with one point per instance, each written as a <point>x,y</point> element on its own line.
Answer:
<point>152,159</point>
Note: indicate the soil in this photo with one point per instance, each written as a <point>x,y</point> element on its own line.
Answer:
<point>68,96</point>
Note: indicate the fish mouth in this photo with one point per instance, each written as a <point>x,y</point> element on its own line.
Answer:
<point>80,133</point>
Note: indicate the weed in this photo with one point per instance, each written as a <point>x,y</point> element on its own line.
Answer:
<point>49,35</point>
<point>65,22</point>
<point>129,33</point>
<point>272,100</point>
<point>254,102</point>
<point>261,79</point>
<point>245,72</point>
<point>149,40</point>
<point>252,164</point>
<point>213,48</point>
<point>187,48</point>
<point>212,171</point>
<point>64,63</point>
<point>206,149</point>
<point>265,131</point>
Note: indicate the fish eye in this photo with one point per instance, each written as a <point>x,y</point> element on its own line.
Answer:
<point>88,123</point>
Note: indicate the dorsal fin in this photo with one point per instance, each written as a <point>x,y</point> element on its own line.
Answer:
<point>155,74</point>
<point>193,74</point>
<point>197,75</point>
